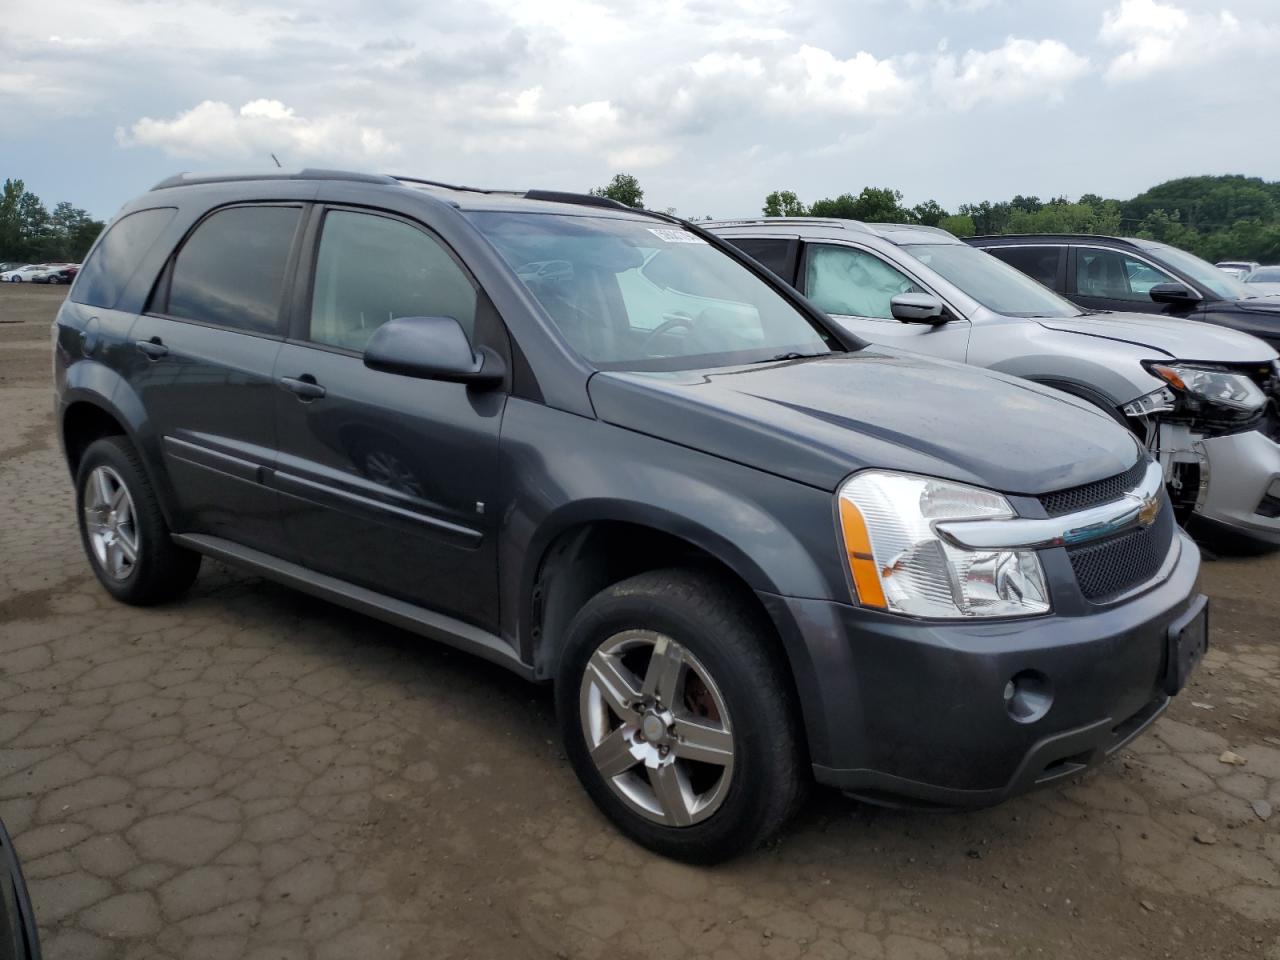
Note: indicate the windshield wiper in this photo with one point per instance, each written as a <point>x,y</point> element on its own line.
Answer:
<point>792,356</point>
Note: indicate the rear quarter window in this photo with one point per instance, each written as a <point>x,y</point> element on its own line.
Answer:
<point>115,259</point>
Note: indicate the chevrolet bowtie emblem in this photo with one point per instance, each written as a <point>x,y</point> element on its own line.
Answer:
<point>1149,510</point>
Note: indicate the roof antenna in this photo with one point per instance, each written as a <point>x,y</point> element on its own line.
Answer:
<point>273,157</point>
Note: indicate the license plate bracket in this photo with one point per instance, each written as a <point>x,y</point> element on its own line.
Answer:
<point>1188,639</point>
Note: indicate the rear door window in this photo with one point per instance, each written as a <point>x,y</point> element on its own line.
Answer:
<point>116,257</point>
<point>231,270</point>
<point>1038,263</point>
<point>777,253</point>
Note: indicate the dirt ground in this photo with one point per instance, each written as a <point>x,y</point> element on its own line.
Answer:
<point>251,773</point>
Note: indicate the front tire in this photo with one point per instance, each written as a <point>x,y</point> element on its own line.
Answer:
<point>123,530</point>
<point>678,717</point>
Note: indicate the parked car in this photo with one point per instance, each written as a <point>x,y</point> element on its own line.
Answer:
<point>1199,397</point>
<point>57,275</point>
<point>602,448</point>
<point>22,274</point>
<point>19,938</point>
<point>1237,268</point>
<point>1264,281</point>
<point>1110,273</point>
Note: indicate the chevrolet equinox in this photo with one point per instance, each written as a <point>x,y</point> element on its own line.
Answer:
<point>604,448</point>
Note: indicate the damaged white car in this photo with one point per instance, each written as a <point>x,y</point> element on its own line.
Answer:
<point>1203,398</point>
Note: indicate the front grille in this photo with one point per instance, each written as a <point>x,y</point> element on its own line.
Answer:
<point>1107,568</point>
<point>1087,495</point>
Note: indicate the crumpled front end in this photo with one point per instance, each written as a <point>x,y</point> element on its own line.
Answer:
<point>1218,440</point>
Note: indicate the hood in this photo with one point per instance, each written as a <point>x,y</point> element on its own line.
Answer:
<point>1252,305</point>
<point>1172,337</point>
<point>817,420</point>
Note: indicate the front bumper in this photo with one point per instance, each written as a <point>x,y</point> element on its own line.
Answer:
<point>1243,484</point>
<point>903,711</point>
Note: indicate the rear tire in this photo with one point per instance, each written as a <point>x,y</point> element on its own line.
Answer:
<point>123,530</point>
<point>700,757</point>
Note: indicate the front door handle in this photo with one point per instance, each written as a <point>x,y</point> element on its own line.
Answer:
<point>305,387</point>
<point>154,348</point>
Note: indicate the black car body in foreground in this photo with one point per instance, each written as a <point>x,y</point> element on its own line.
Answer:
<point>19,939</point>
<point>1114,273</point>
<point>602,448</point>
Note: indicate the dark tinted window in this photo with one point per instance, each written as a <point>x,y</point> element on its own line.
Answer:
<point>115,259</point>
<point>230,272</point>
<point>1038,263</point>
<point>372,269</point>
<point>776,253</point>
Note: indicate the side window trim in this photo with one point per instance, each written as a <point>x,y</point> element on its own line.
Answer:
<point>803,275</point>
<point>303,286</point>
<point>157,302</point>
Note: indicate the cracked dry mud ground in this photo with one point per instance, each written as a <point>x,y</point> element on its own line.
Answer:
<point>250,773</point>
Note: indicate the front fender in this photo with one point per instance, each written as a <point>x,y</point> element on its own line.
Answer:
<point>776,535</point>
<point>1109,372</point>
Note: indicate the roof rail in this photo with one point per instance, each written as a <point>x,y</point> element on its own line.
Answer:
<point>551,196</point>
<point>309,173</point>
<point>782,221</point>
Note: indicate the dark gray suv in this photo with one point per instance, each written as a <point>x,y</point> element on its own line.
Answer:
<point>603,448</point>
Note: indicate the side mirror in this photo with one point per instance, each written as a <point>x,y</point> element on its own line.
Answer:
<point>432,348</point>
<point>917,308</point>
<point>1175,293</point>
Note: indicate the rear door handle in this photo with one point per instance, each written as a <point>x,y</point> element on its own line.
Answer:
<point>305,387</point>
<point>153,348</point>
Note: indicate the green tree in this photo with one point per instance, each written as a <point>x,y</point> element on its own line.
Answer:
<point>959,224</point>
<point>872,205</point>
<point>929,213</point>
<point>624,188</point>
<point>783,203</point>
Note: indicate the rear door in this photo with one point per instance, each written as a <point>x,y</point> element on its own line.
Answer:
<point>203,356</point>
<point>1101,278</point>
<point>855,286</point>
<point>389,482</point>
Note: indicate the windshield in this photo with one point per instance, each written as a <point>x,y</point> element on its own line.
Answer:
<point>993,283</point>
<point>1265,275</point>
<point>636,295</point>
<point>1221,285</point>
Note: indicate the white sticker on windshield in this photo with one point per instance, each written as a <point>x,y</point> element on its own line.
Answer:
<point>675,236</point>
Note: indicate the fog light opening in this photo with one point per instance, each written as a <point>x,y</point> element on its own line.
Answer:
<point>1028,696</point>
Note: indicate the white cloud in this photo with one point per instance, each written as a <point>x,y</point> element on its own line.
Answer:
<point>1160,36</point>
<point>1018,70</point>
<point>814,79</point>
<point>214,131</point>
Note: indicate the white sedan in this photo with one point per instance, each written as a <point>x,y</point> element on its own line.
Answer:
<point>24,273</point>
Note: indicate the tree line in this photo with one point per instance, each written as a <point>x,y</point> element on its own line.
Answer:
<point>31,233</point>
<point>1217,218</point>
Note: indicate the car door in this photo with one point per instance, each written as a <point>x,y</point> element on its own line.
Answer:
<point>1100,278</point>
<point>855,286</point>
<point>390,482</point>
<point>202,363</point>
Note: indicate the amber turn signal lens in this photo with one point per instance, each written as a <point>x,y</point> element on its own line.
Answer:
<point>1171,375</point>
<point>862,562</point>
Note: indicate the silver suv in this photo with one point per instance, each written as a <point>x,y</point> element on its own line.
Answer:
<point>1200,397</point>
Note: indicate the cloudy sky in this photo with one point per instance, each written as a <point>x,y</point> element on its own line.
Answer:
<point>711,103</point>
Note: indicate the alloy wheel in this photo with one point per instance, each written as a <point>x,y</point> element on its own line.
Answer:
<point>111,522</point>
<point>657,728</point>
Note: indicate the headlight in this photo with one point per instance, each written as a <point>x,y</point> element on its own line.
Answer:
<point>899,563</point>
<point>1220,388</point>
